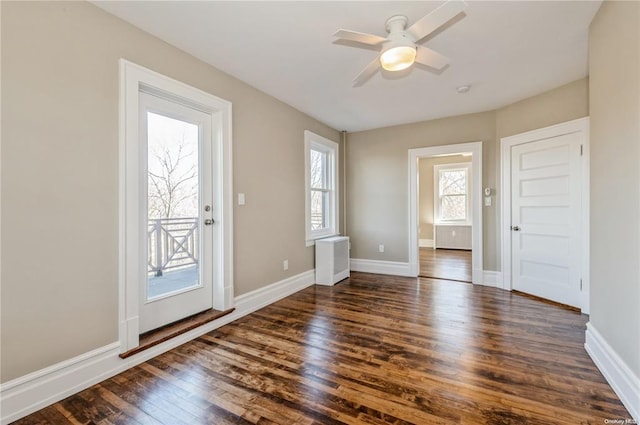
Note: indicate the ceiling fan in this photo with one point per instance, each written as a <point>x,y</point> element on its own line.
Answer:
<point>399,50</point>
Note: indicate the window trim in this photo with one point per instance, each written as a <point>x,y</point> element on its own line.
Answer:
<point>314,141</point>
<point>437,201</point>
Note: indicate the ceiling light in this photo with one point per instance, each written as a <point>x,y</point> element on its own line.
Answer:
<point>463,89</point>
<point>398,58</point>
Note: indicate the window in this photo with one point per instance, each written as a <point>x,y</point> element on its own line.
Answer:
<point>452,201</point>
<point>321,177</point>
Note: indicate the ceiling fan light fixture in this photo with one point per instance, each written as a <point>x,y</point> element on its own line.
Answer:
<point>398,50</point>
<point>398,58</point>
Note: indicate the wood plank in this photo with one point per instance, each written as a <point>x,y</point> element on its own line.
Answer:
<point>449,264</point>
<point>371,350</point>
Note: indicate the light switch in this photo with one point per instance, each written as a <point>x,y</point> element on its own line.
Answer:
<point>240,198</point>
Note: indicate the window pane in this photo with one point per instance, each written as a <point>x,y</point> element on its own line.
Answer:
<point>318,169</point>
<point>319,209</point>
<point>172,167</point>
<point>173,197</point>
<point>453,182</point>
<point>454,207</point>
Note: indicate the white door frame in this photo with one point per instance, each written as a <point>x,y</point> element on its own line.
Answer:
<point>506,143</point>
<point>476,230</point>
<point>133,79</point>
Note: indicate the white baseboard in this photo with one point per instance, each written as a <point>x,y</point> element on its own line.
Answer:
<point>32,392</point>
<point>255,300</point>
<point>425,243</point>
<point>480,277</point>
<point>623,381</point>
<point>27,394</point>
<point>394,268</point>
<point>491,278</point>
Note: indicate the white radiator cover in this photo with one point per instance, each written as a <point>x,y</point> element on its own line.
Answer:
<point>452,236</point>
<point>332,260</point>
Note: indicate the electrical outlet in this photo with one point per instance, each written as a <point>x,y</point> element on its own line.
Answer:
<point>240,198</point>
<point>381,248</point>
<point>285,265</point>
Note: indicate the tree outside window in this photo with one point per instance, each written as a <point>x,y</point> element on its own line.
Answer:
<point>452,192</point>
<point>453,195</point>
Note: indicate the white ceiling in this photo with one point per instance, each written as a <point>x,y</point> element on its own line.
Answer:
<point>506,51</point>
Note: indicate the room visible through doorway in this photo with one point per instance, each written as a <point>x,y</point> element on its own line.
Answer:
<point>445,216</point>
<point>447,264</point>
<point>445,231</point>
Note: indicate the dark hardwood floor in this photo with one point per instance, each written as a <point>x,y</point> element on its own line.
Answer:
<point>371,350</point>
<point>451,264</point>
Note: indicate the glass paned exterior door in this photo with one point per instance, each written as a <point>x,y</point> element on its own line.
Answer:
<point>177,211</point>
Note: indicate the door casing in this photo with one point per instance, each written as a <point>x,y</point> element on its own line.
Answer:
<point>133,79</point>
<point>580,125</point>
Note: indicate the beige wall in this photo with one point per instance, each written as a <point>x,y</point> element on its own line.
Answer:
<point>60,177</point>
<point>564,103</point>
<point>377,186</point>
<point>426,189</point>
<point>614,66</point>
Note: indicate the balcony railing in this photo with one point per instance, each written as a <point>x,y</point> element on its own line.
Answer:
<point>317,221</point>
<point>172,243</point>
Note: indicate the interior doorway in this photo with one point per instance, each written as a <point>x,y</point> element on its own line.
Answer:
<point>445,215</point>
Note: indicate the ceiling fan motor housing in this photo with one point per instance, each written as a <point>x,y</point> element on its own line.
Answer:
<point>396,23</point>
<point>398,37</point>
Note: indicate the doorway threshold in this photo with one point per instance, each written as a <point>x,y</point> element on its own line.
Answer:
<point>444,278</point>
<point>172,330</point>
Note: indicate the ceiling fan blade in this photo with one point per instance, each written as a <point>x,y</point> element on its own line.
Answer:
<point>359,37</point>
<point>434,20</point>
<point>431,58</point>
<point>367,73</point>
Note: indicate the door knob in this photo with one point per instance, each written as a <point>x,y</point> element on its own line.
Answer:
<point>208,222</point>
<point>515,228</point>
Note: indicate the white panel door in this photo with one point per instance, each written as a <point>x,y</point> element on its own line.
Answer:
<point>546,218</point>
<point>177,226</point>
